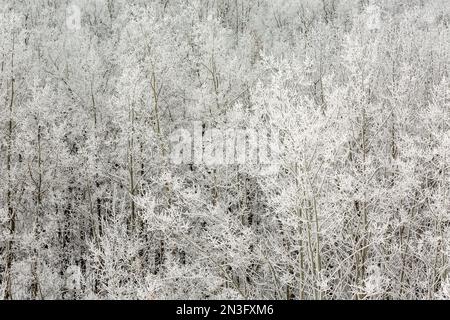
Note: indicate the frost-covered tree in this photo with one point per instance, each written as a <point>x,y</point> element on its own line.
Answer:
<point>312,140</point>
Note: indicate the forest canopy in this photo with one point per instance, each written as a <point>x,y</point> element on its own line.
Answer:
<point>122,174</point>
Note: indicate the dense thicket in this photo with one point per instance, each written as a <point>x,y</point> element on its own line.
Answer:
<point>91,205</point>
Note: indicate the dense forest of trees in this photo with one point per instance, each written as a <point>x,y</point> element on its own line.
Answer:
<point>92,205</point>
